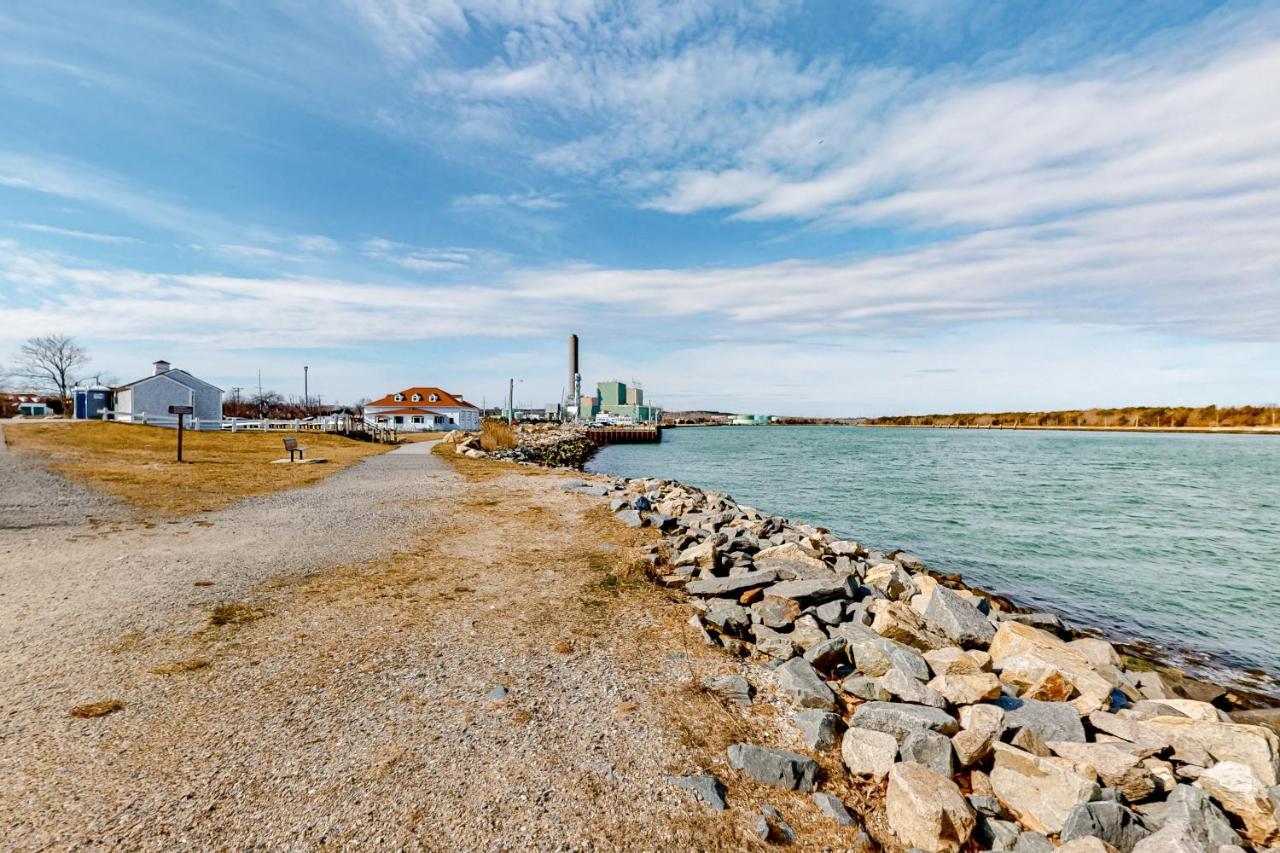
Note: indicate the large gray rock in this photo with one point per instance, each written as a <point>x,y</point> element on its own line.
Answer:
<point>630,517</point>
<point>731,586</point>
<point>926,809</point>
<point>957,619</point>
<point>800,682</point>
<point>875,655</point>
<point>777,613</point>
<point>929,748</point>
<point>727,615</point>
<point>1049,720</point>
<point>1033,842</point>
<point>732,688</point>
<point>1113,823</point>
<point>865,687</point>
<point>867,752</point>
<point>1189,813</point>
<point>776,767</point>
<point>813,590</point>
<point>1116,767</point>
<point>1239,792</point>
<point>834,809</point>
<point>708,789</point>
<point>829,653</point>
<point>900,720</point>
<point>908,689</point>
<point>1039,792</point>
<point>998,836</point>
<point>819,729</point>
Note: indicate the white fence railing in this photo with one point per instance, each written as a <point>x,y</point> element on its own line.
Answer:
<point>346,424</point>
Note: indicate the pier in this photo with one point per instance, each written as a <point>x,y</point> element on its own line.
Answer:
<point>625,435</point>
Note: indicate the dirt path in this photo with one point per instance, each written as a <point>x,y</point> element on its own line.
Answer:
<point>352,705</point>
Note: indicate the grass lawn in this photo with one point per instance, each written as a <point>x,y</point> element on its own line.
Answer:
<point>138,463</point>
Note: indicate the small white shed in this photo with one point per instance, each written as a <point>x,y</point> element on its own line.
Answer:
<point>167,386</point>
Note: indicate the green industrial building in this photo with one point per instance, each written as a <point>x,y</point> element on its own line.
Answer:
<point>617,400</point>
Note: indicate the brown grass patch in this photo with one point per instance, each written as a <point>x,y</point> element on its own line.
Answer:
<point>97,709</point>
<point>497,435</point>
<point>180,666</point>
<point>137,463</point>
<point>202,583</point>
<point>234,613</point>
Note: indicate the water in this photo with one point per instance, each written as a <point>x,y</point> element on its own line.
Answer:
<point>1171,539</point>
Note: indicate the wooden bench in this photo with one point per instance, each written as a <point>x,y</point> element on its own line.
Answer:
<point>291,445</point>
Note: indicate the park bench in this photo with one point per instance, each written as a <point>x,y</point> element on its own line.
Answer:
<point>291,445</point>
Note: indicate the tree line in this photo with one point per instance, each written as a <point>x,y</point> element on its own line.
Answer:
<point>1128,416</point>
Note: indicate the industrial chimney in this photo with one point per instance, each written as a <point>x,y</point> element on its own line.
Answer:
<point>575,380</point>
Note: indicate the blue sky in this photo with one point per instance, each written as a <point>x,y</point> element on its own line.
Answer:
<point>805,208</point>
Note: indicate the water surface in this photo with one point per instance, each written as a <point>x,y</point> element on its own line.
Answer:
<point>1169,538</point>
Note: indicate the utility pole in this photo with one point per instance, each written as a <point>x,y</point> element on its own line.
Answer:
<point>306,395</point>
<point>511,402</point>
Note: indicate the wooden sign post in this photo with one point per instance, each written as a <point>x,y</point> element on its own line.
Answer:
<point>181,412</point>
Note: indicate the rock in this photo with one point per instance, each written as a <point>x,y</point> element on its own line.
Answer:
<point>760,827</point>
<point>1142,739</point>
<point>1089,844</point>
<point>1115,767</point>
<point>1195,710</point>
<point>731,586</point>
<point>800,682</point>
<point>996,835</point>
<point>867,752</point>
<point>972,745</point>
<point>927,810</point>
<point>829,653</point>
<point>619,504</point>
<point>910,562</point>
<point>1033,842</point>
<point>875,655</point>
<point>807,633</point>
<point>630,517</point>
<point>901,720</point>
<point>664,523</point>
<point>812,590</point>
<point>1024,656</point>
<point>1254,746</point>
<point>774,818</point>
<point>779,613</point>
<point>1175,838</point>
<point>819,729</point>
<point>708,789</point>
<point>831,613</point>
<point>1109,821</point>
<point>985,804</point>
<point>774,644</point>
<point>897,621</point>
<point>1240,793</point>
<point>776,767</point>
<point>834,809</point>
<point>1195,821</point>
<point>1267,717</point>
<point>1042,621</point>
<point>1099,653</point>
<point>1049,720</point>
<point>865,687</point>
<point>967,688</point>
<point>908,689</point>
<point>793,560</point>
<point>497,694</point>
<point>983,718</point>
<point>731,688</point>
<point>954,660</point>
<point>727,615</point>
<point>891,579</point>
<point>1040,792</point>
<point>703,555</point>
<point>931,749</point>
<point>1028,741</point>
<point>957,619</point>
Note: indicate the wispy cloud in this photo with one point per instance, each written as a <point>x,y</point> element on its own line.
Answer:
<point>524,201</point>
<point>79,235</point>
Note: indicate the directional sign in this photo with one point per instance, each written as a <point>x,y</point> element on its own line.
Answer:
<point>182,410</point>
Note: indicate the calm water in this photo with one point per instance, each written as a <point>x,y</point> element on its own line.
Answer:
<point>1174,539</point>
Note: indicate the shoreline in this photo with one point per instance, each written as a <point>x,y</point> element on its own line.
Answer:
<point>1257,688</point>
<point>1024,428</point>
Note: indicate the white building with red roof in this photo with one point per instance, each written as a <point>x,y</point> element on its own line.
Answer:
<point>423,410</point>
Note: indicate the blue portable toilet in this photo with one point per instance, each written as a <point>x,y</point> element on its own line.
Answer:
<point>90,403</point>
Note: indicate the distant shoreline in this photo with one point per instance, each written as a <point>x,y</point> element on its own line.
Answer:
<point>1233,430</point>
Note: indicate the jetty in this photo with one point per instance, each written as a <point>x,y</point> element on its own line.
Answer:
<point>641,434</point>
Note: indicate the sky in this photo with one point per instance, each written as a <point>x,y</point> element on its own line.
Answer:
<point>783,207</point>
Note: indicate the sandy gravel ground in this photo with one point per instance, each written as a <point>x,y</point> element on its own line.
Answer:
<point>31,497</point>
<point>345,701</point>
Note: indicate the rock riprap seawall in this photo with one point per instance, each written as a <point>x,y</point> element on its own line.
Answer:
<point>983,727</point>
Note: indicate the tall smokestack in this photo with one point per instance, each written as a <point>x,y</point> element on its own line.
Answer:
<point>573,360</point>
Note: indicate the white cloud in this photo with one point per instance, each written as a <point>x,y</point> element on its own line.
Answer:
<point>91,236</point>
<point>524,201</point>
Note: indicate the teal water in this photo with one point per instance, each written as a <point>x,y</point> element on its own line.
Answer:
<point>1169,539</point>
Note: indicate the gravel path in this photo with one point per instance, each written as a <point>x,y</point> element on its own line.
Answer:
<point>31,496</point>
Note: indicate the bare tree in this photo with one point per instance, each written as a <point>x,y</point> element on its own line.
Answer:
<point>50,363</point>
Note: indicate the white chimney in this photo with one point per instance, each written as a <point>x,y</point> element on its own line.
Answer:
<point>161,366</point>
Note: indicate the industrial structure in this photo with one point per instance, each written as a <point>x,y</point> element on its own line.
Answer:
<point>614,401</point>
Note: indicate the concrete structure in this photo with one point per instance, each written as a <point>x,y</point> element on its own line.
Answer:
<point>167,386</point>
<point>616,400</point>
<point>424,409</point>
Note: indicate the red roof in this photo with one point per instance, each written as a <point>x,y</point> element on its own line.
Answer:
<point>444,398</point>
<point>409,412</point>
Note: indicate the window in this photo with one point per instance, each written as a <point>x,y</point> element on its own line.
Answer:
<point>399,398</point>
<point>417,419</point>
<point>399,419</point>
<point>417,398</point>
<point>434,398</point>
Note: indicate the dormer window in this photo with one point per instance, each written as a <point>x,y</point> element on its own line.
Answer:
<point>435,398</point>
<point>417,398</point>
<point>399,398</point>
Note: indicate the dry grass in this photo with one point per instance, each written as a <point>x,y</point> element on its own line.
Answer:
<point>234,613</point>
<point>496,435</point>
<point>180,666</point>
<point>480,470</point>
<point>138,465</point>
<point>97,709</point>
